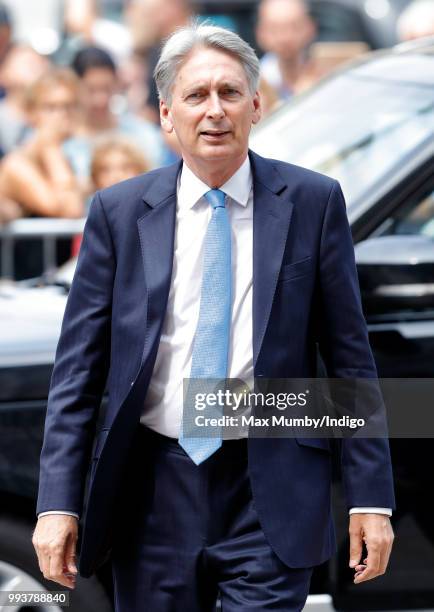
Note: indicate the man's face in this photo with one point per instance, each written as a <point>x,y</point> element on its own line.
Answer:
<point>212,109</point>
<point>57,108</point>
<point>284,28</point>
<point>98,86</point>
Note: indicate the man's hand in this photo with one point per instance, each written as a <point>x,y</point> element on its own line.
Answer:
<point>55,539</point>
<point>376,532</point>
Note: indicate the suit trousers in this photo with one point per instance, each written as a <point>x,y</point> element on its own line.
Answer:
<point>185,534</point>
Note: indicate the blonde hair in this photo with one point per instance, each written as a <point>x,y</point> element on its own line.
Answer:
<point>107,144</point>
<point>53,77</point>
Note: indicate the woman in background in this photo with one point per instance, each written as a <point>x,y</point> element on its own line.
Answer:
<point>115,159</point>
<point>37,175</point>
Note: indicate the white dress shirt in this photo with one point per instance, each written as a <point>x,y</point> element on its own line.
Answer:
<point>164,400</point>
<point>162,410</point>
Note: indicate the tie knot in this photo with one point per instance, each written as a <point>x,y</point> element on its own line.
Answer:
<point>216,198</point>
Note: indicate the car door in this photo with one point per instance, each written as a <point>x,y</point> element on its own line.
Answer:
<point>401,332</point>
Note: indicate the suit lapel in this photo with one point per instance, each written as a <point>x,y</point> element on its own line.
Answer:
<point>157,234</point>
<point>272,212</point>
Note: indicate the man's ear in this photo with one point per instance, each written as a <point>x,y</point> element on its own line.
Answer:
<point>257,108</point>
<point>166,117</point>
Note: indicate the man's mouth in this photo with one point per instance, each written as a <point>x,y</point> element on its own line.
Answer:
<point>214,134</point>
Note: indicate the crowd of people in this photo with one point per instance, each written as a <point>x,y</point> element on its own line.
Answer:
<point>68,130</point>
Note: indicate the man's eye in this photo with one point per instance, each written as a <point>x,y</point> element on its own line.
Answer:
<point>194,96</point>
<point>230,91</point>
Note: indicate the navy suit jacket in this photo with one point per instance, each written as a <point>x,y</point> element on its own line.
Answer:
<point>305,295</point>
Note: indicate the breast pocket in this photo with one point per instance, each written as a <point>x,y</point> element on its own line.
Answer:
<point>296,269</point>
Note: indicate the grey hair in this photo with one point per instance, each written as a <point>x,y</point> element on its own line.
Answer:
<point>178,46</point>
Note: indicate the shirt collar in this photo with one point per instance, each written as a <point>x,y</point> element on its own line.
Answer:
<point>237,187</point>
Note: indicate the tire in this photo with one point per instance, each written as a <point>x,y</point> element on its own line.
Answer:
<point>18,557</point>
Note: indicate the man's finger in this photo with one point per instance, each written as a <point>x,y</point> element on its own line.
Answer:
<point>70,555</point>
<point>386,552</point>
<point>38,550</point>
<point>56,566</point>
<point>56,571</point>
<point>45,563</point>
<point>356,547</point>
<point>38,556</point>
<point>363,576</point>
<point>372,561</point>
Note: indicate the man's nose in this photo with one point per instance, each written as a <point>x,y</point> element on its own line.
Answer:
<point>215,109</point>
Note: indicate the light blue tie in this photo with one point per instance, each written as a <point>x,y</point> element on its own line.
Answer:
<point>211,341</point>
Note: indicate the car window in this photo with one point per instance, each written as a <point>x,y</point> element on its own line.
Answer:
<point>355,128</point>
<point>417,218</point>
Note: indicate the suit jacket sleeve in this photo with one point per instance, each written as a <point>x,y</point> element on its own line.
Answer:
<point>80,371</point>
<point>344,346</point>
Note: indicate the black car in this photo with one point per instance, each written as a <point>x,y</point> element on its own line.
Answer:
<point>371,127</point>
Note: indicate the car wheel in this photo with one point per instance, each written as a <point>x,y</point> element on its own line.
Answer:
<point>19,571</point>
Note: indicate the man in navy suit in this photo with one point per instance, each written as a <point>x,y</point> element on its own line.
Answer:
<point>224,264</point>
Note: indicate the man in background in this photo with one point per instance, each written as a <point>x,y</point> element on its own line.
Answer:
<point>284,31</point>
